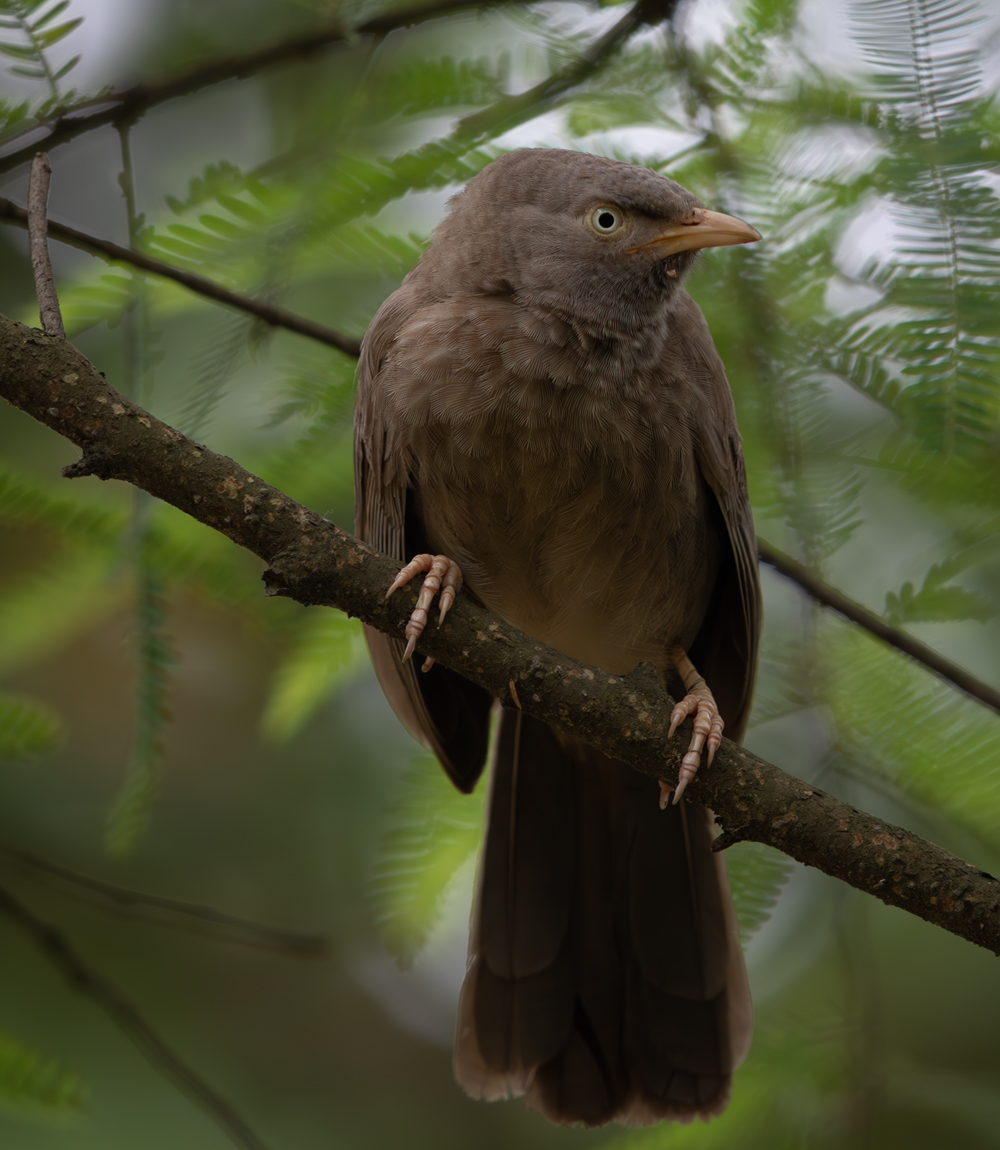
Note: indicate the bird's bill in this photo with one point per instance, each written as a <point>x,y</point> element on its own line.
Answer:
<point>701,229</point>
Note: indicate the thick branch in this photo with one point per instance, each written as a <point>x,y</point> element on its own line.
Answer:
<point>831,597</point>
<point>315,562</point>
<point>280,317</point>
<point>128,1019</point>
<point>269,313</point>
<point>116,107</point>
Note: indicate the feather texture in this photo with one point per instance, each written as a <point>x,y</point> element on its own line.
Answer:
<point>549,411</point>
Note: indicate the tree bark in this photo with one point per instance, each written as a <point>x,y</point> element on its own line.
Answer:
<point>313,561</point>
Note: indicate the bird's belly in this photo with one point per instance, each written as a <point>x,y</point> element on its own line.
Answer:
<point>593,570</point>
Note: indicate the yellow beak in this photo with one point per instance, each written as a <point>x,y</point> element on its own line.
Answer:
<point>701,229</point>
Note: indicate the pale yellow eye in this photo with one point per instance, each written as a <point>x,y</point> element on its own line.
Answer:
<point>605,220</point>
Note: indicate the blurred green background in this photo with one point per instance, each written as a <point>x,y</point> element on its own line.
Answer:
<point>165,728</point>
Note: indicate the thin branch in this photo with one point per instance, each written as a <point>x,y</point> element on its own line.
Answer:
<point>129,1020</point>
<point>769,554</point>
<point>269,313</point>
<point>626,716</point>
<point>134,102</point>
<point>507,113</point>
<point>831,597</point>
<point>41,265</point>
<point>498,117</point>
<point>169,912</point>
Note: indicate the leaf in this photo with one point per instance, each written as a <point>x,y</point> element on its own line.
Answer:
<point>46,610</point>
<point>53,35</point>
<point>436,831</point>
<point>936,604</point>
<point>55,11</point>
<point>66,68</point>
<point>27,729</point>
<point>756,875</point>
<point>329,652</point>
<point>154,659</point>
<point>25,502</point>
<point>900,722</point>
<point>34,1085</point>
<point>19,51</point>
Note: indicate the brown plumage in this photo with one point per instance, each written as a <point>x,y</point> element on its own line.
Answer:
<point>541,402</point>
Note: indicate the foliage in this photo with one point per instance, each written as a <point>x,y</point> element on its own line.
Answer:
<point>862,340</point>
<point>33,23</point>
<point>34,1085</point>
<point>26,729</point>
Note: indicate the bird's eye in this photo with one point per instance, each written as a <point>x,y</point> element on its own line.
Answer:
<point>604,220</point>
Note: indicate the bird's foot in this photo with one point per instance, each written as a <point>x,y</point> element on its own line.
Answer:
<point>441,575</point>
<point>708,725</point>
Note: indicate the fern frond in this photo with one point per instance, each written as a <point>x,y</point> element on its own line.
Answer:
<point>47,609</point>
<point>436,831</point>
<point>940,287</point>
<point>212,368</point>
<point>27,728</point>
<point>38,35</point>
<point>893,718</point>
<point>328,653</point>
<point>154,660</point>
<point>28,503</point>
<point>35,1085</point>
<point>756,875</point>
<point>318,386</point>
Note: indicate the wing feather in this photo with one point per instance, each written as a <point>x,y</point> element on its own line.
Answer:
<point>443,711</point>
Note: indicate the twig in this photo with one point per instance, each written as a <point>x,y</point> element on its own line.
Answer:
<point>314,562</point>
<point>269,313</point>
<point>129,1020</point>
<point>169,912</point>
<point>769,554</point>
<point>497,117</point>
<point>45,284</point>
<point>507,113</point>
<point>136,101</point>
<point>831,597</point>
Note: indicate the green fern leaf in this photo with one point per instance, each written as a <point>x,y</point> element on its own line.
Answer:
<point>757,874</point>
<point>329,652</point>
<point>27,729</point>
<point>33,1085</point>
<point>436,832</point>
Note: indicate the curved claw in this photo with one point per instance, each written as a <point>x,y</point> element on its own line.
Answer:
<point>442,575</point>
<point>707,736</point>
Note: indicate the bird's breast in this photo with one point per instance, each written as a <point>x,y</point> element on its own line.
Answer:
<point>576,511</point>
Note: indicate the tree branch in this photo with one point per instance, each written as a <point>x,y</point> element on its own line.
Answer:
<point>315,562</point>
<point>36,219</point>
<point>280,317</point>
<point>136,101</point>
<point>507,113</point>
<point>269,313</point>
<point>831,597</point>
<point>169,912</point>
<point>128,1019</point>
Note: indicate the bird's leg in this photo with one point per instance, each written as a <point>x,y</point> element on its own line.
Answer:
<point>708,724</point>
<point>442,574</point>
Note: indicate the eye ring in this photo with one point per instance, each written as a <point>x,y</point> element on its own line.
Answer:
<point>605,220</point>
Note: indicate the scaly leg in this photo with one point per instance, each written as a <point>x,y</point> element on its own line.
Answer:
<point>708,723</point>
<point>444,575</point>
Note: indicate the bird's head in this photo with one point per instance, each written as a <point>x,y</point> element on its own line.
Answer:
<point>602,241</point>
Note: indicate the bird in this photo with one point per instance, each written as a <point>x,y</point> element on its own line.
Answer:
<point>543,423</point>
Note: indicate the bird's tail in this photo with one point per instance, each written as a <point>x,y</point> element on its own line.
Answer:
<point>605,978</point>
